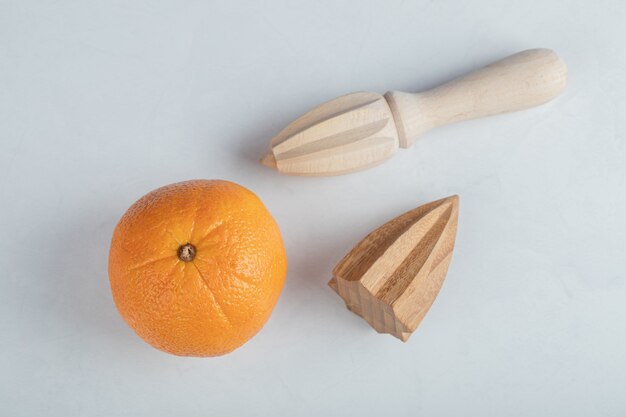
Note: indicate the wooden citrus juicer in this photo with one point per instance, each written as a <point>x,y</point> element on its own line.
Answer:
<point>392,276</point>
<point>360,130</point>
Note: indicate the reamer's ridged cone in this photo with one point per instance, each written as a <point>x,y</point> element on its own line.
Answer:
<point>392,276</point>
<point>340,136</point>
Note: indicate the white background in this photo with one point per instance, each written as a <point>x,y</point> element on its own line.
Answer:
<point>100,102</point>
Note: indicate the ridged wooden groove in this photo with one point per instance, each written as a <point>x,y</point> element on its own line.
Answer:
<point>351,132</point>
<point>392,276</point>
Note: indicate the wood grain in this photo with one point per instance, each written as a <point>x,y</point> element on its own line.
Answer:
<point>392,276</point>
<point>361,130</point>
<point>345,134</point>
<point>520,81</point>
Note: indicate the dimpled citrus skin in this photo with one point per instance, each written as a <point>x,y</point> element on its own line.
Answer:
<point>220,299</point>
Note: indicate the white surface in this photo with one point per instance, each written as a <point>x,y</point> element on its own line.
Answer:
<point>101,102</point>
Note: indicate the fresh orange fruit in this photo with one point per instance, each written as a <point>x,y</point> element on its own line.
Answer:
<point>197,267</point>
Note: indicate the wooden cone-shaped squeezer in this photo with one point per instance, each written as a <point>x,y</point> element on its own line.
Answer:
<point>361,130</point>
<point>392,276</point>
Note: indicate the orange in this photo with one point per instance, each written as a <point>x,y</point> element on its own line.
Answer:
<point>197,267</point>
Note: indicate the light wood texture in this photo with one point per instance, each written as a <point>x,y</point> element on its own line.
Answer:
<point>520,81</point>
<point>351,132</point>
<point>392,276</point>
<point>360,130</point>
